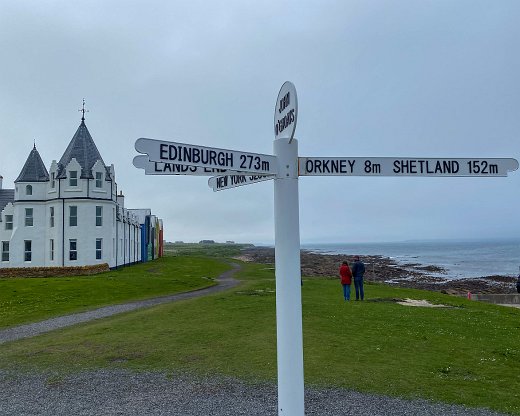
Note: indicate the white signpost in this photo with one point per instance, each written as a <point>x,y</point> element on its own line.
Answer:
<point>206,157</point>
<point>286,112</point>
<point>234,168</point>
<point>219,183</point>
<point>164,168</point>
<point>398,166</point>
<point>289,333</point>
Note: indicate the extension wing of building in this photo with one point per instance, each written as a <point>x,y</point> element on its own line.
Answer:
<point>73,214</point>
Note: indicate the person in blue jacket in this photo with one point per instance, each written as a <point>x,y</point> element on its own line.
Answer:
<point>358,270</point>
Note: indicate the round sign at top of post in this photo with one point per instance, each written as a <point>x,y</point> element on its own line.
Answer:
<point>286,112</point>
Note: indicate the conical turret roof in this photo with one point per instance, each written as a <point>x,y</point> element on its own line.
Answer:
<point>34,170</point>
<point>84,150</point>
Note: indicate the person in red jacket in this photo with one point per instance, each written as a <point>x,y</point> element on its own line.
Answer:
<point>346,279</point>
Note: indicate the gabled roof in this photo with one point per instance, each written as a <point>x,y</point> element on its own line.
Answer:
<point>84,150</point>
<point>6,196</point>
<point>34,170</point>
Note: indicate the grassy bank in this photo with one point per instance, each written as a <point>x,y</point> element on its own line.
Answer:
<point>33,299</point>
<point>218,250</point>
<point>466,353</point>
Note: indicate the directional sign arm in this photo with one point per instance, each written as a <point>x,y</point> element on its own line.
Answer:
<point>398,166</point>
<point>206,157</point>
<point>162,168</point>
<point>219,183</point>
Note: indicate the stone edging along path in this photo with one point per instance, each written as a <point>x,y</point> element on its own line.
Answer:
<point>225,281</point>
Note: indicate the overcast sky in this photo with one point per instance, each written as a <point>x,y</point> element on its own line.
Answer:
<point>374,78</point>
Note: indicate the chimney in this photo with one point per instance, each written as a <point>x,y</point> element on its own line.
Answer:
<point>1,179</point>
<point>121,199</point>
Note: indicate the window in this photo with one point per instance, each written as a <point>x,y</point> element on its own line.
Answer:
<point>73,216</point>
<point>51,249</point>
<point>8,222</point>
<point>73,249</point>
<point>99,248</point>
<point>29,217</point>
<point>5,250</point>
<point>51,223</point>
<point>27,244</point>
<point>28,190</point>
<point>99,180</point>
<point>53,180</point>
<point>99,216</point>
<point>73,178</point>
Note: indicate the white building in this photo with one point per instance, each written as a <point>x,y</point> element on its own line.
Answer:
<point>70,215</point>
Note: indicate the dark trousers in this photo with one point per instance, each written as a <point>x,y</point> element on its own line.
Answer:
<point>358,283</point>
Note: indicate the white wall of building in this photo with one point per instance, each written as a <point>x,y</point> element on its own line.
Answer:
<point>65,216</point>
<point>119,235</point>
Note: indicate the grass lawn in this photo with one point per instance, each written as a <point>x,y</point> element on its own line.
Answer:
<point>209,250</point>
<point>467,353</point>
<point>25,300</point>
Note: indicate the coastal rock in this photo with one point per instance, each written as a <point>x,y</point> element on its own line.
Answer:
<point>385,270</point>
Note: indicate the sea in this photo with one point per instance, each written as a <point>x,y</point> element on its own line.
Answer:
<point>460,259</point>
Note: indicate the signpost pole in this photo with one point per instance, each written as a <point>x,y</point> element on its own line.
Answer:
<point>288,280</point>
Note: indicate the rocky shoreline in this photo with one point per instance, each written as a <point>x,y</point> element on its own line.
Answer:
<point>386,270</point>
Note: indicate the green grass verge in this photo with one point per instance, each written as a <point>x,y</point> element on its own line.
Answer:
<point>25,300</point>
<point>467,353</point>
<point>209,250</point>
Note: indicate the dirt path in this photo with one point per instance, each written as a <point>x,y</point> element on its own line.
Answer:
<point>225,281</point>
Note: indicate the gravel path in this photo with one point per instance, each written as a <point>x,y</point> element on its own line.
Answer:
<point>118,392</point>
<point>225,281</point>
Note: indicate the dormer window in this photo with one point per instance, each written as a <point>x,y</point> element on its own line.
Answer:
<point>73,178</point>
<point>53,180</point>
<point>99,180</point>
<point>28,190</point>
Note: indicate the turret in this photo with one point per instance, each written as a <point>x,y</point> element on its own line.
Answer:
<point>32,180</point>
